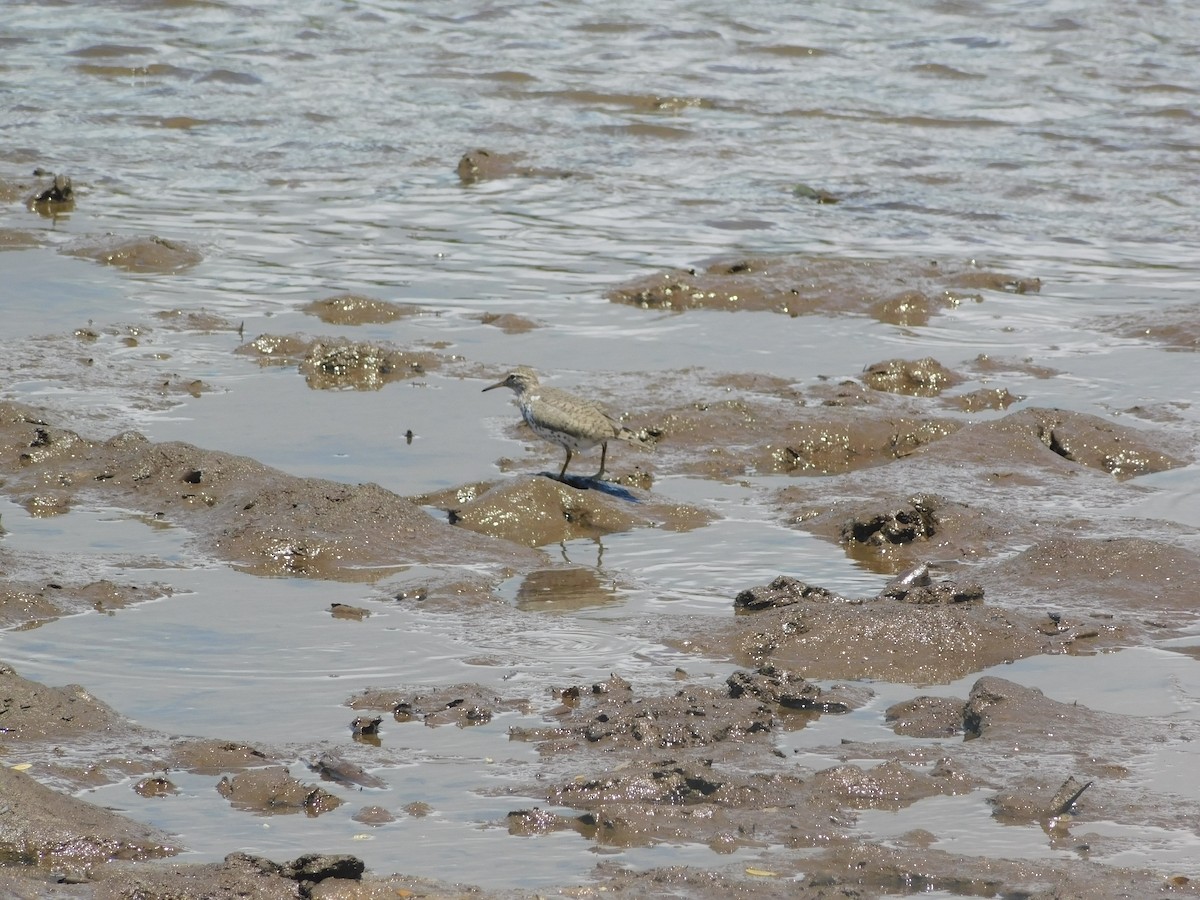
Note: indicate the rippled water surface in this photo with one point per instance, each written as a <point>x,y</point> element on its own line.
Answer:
<point>309,148</point>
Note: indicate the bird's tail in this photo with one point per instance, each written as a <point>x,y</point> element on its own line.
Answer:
<point>647,438</point>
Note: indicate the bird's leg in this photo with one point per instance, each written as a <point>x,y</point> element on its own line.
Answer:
<point>566,462</point>
<point>603,453</point>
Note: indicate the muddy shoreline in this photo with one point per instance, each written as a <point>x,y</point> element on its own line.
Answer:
<point>892,592</point>
<point>980,519</point>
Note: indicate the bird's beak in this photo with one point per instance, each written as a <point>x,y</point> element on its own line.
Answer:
<point>492,387</point>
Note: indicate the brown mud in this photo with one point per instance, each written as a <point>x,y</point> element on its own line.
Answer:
<point>902,292</point>
<point>996,527</point>
<point>150,254</point>
<point>341,363</point>
<point>355,309</point>
<point>29,604</point>
<point>485,165</point>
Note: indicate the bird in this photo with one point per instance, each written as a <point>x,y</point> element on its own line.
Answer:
<point>572,422</point>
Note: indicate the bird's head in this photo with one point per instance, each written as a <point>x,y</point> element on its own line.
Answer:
<point>520,380</point>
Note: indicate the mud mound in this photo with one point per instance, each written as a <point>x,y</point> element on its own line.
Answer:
<point>257,517</point>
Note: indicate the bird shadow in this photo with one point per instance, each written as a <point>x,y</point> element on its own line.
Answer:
<point>592,483</point>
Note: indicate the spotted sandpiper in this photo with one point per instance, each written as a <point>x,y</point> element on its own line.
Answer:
<point>563,418</point>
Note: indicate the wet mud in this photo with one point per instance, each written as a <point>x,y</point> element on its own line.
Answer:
<point>341,363</point>
<point>1176,328</point>
<point>485,165</point>
<point>151,254</point>
<point>540,511</point>
<point>42,827</point>
<point>982,516</point>
<point>355,309</point>
<point>273,791</point>
<point>925,634</point>
<point>508,322</point>
<point>463,705</point>
<point>239,510</point>
<point>30,604</point>
<point>901,307</point>
<point>904,292</point>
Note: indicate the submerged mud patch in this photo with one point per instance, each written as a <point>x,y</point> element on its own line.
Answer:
<point>485,165</point>
<point>196,320</point>
<point>1176,328</point>
<point>898,291</point>
<point>138,254</point>
<point>463,705</point>
<point>119,368</point>
<point>509,323</point>
<point>566,588</point>
<point>27,605</point>
<point>357,309</point>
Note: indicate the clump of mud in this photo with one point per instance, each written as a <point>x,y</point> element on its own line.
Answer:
<point>538,511</point>
<point>273,790</point>
<point>918,378</point>
<point>916,631</point>
<point>356,309</point>
<point>339,363</point>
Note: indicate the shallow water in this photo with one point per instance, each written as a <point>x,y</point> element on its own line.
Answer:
<point>310,149</point>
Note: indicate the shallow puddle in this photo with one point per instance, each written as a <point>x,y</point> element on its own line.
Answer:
<point>962,824</point>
